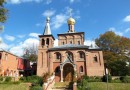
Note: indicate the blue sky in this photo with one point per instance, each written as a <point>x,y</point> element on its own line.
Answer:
<point>26,19</point>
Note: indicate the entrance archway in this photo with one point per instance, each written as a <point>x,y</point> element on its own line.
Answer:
<point>68,72</point>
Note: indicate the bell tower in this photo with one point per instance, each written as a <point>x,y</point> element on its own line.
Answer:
<point>46,42</point>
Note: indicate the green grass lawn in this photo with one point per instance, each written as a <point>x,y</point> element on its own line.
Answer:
<point>13,87</point>
<point>111,86</point>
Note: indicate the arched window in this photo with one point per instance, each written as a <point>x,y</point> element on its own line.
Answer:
<point>63,43</point>
<point>0,55</point>
<point>78,42</point>
<point>81,69</point>
<point>81,55</point>
<point>47,41</point>
<point>58,56</point>
<point>70,55</point>
<point>95,59</point>
<point>70,42</point>
<point>42,58</point>
<point>43,42</point>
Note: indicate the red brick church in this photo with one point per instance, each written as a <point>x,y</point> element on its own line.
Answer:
<point>70,57</point>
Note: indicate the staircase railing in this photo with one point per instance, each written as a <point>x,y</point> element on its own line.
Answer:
<point>50,82</point>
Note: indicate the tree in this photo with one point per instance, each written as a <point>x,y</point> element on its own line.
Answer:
<point>115,48</point>
<point>3,15</point>
<point>119,68</point>
<point>3,11</point>
<point>114,43</point>
<point>109,41</point>
<point>30,53</point>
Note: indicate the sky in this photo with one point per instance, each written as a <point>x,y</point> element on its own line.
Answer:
<point>27,18</point>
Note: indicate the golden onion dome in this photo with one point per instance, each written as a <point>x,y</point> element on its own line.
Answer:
<point>71,21</point>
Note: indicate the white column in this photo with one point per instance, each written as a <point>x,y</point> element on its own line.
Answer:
<point>61,75</point>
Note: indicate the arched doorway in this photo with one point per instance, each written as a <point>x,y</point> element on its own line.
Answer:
<point>68,72</point>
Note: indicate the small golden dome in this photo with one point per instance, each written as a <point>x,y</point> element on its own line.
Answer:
<point>71,21</point>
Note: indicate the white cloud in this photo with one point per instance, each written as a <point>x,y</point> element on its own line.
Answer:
<point>24,1</point>
<point>4,46</point>
<point>19,48</point>
<point>48,13</point>
<point>0,39</point>
<point>9,38</point>
<point>29,42</point>
<point>40,25</point>
<point>91,43</point>
<point>59,20</point>
<point>77,17</point>
<point>21,36</point>
<point>14,1</point>
<point>34,35</point>
<point>127,19</point>
<point>127,30</point>
<point>116,32</point>
<point>56,42</point>
<point>72,1</point>
<point>119,33</point>
<point>88,42</point>
<point>48,1</point>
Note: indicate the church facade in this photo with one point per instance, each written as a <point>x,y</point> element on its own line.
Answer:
<point>71,57</point>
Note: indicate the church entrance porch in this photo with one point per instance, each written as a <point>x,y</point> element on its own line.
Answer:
<point>68,72</point>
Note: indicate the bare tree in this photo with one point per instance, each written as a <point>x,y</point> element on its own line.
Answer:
<point>31,53</point>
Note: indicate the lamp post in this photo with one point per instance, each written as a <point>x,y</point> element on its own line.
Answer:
<point>107,77</point>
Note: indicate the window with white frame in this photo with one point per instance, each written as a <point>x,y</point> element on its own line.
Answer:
<point>81,55</point>
<point>57,56</point>
<point>81,69</point>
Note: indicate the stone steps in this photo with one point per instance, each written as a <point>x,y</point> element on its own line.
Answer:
<point>62,86</point>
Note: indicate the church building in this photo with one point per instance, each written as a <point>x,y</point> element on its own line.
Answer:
<point>70,57</point>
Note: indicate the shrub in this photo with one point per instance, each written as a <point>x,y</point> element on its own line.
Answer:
<point>8,79</point>
<point>23,79</point>
<point>104,78</point>
<point>36,80</point>
<point>116,81</point>
<point>94,79</point>
<point>79,80</point>
<point>36,88</point>
<point>125,79</point>
<point>85,77</point>
<point>83,85</point>
<point>1,78</point>
<point>45,77</point>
